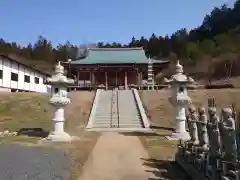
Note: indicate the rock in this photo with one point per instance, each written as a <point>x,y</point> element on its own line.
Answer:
<point>13,133</point>
<point>75,138</point>
<point>6,132</point>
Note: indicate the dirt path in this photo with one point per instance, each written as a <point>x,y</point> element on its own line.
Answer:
<point>117,157</point>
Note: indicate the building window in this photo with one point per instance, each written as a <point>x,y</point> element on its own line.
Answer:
<point>26,78</point>
<point>36,80</point>
<point>1,74</point>
<point>14,76</point>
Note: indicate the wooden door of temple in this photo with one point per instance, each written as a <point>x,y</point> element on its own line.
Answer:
<point>112,80</point>
<point>121,79</point>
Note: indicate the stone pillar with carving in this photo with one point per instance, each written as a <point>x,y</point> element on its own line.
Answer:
<point>179,100</point>
<point>59,100</point>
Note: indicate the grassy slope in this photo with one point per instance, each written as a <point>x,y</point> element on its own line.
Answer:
<point>31,110</point>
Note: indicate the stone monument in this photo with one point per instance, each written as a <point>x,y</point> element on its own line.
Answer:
<point>59,100</point>
<point>179,99</point>
<point>215,157</point>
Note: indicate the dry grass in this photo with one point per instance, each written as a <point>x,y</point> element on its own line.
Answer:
<point>31,110</point>
<point>24,110</point>
<point>161,112</point>
<point>161,115</point>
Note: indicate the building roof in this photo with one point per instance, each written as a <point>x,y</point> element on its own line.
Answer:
<point>24,62</point>
<point>114,56</point>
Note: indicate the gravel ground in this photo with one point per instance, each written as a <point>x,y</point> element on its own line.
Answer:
<point>32,163</point>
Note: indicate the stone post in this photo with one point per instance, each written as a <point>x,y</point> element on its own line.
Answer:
<point>59,100</point>
<point>179,100</point>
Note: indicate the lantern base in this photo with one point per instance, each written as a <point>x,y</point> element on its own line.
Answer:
<point>59,137</point>
<point>179,135</point>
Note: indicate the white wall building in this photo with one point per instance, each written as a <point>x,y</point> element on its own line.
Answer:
<point>15,76</point>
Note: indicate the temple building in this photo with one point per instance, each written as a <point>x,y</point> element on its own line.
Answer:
<point>110,68</point>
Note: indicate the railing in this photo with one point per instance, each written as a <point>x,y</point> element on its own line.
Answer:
<point>93,109</point>
<point>111,110</point>
<point>139,104</point>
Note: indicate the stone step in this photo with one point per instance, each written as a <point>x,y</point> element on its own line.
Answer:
<point>130,119</point>
<point>127,109</point>
<point>130,126</point>
<point>102,123</point>
<point>128,114</point>
<point>106,112</point>
<point>127,122</point>
<point>106,115</point>
<point>103,114</point>
<point>101,120</point>
<point>97,126</point>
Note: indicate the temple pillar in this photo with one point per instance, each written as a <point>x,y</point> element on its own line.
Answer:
<point>77,78</point>
<point>93,80</point>
<point>116,79</point>
<point>106,81</point>
<point>84,81</point>
<point>90,77</point>
<point>139,79</point>
<point>126,80</point>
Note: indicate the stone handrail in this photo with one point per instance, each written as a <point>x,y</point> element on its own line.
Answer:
<point>94,108</point>
<point>141,109</point>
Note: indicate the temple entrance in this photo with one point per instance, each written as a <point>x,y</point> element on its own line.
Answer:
<point>111,80</point>
<point>108,78</point>
<point>116,79</point>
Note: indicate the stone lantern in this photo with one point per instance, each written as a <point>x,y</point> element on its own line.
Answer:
<point>59,100</point>
<point>179,100</point>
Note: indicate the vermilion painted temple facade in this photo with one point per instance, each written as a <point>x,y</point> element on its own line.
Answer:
<point>113,68</point>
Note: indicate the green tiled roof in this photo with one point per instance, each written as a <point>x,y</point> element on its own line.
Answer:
<point>113,56</point>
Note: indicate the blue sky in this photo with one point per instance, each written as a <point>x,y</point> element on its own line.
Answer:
<point>87,21</point>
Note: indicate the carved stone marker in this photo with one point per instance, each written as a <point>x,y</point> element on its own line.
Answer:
<point>193,118</point>
<point>59,100</point>
<point>179,100</point>
<point>216,156</point>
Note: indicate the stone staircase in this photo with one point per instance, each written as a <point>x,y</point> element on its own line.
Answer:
<point>116,109</point>
<point>129,116</point>
<point>103,115</point>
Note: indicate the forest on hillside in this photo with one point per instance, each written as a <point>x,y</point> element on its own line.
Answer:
<point>211,50</point>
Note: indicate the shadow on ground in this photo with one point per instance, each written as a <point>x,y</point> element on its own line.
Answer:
<point>143,134</point>
<point>165,170</point>
<point>33,132</point>
<point>163,128</point>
